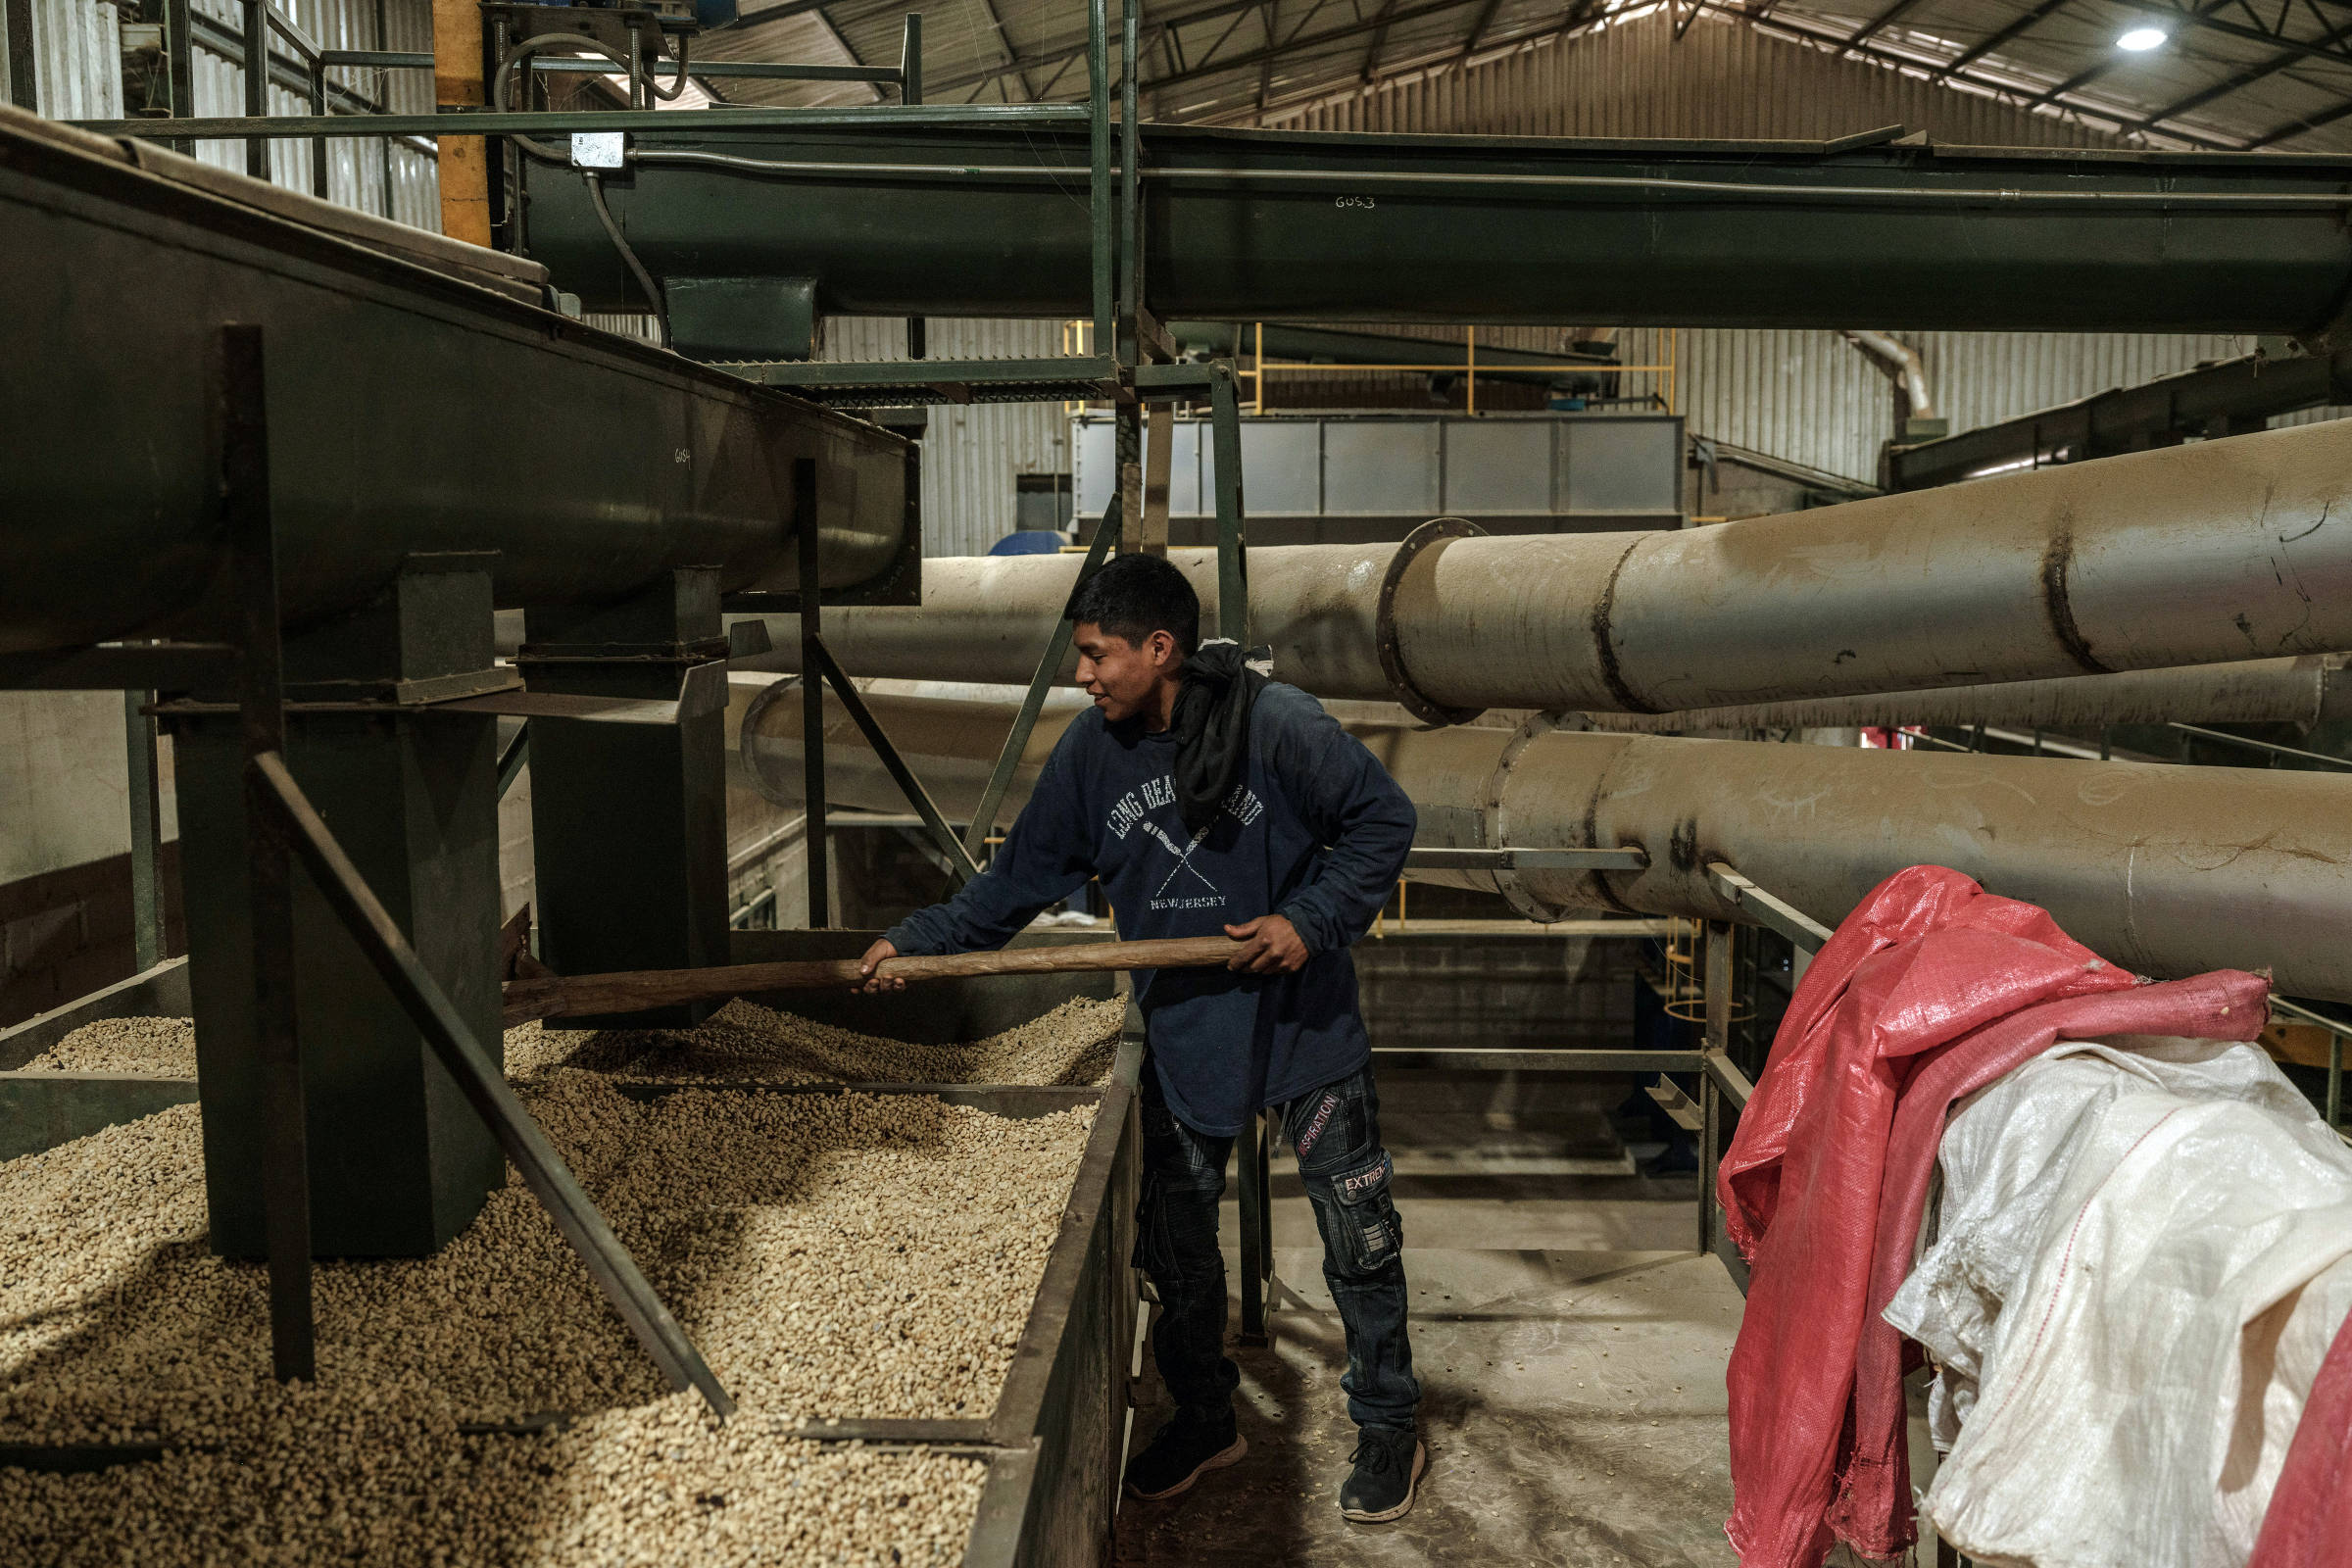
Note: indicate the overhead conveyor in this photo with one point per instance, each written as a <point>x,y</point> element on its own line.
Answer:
<point>419,406</point>
<point>954,216</point>
<point>983,210</point>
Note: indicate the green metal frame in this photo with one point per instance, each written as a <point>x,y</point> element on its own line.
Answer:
<point>1024,723</point>
<point>1111,370</point>
<point>1089,376</point>
<point>565,121</point>
<point>959,861</point>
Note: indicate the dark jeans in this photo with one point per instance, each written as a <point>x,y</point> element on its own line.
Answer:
<point>1335,1132</point>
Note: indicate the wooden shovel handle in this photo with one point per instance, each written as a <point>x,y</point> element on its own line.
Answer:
<point>640,990</point>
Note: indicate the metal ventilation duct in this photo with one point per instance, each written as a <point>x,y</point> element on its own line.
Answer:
<point>2219,552</point>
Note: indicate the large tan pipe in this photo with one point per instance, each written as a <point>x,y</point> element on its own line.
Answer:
<point>2170,870</point>
<point>2303,691</point>
<point>2192,555</point>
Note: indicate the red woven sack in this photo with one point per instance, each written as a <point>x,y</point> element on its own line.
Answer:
<point>1928,960</point>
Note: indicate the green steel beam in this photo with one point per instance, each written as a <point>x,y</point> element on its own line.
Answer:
<point>1339,347</point>
<point>922,372</point>
<point>1233,558</point>
<point>560,123</point>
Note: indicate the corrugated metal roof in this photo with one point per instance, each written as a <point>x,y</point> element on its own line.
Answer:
<point>1638,80</point>
<point>2247,75</point>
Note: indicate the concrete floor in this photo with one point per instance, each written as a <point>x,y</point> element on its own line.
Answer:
<point>1570,1347</point>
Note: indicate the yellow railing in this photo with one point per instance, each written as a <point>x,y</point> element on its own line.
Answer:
<point>1077,339</point>
<point>1260,367</point>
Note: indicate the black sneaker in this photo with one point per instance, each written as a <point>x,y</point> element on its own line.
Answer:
<point>1388,1467</point>
<point>1182,1450</point>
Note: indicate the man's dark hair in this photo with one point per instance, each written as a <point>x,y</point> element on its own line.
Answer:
<point>1134,595</point>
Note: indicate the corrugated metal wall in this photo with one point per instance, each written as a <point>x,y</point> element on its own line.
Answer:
<point>78,74</point>
<point>1980,378</point>
<point>393,179</point>
<point>972,453</point>
<point>1814,397</point>
<point>2333,411</point>
<point>1808,397</point>
<point>77,59</point>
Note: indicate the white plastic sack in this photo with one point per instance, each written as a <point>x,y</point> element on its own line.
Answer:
<point>2116,1294</point>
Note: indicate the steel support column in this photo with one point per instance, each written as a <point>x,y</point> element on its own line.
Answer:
<point>911,91</point>
<point>257,81</point>
<point>142,792</point>
<point>628,821</point>
<point>815,842</point>
<point>273,1060</point>
<point>1253,1150</point>
<point>180,72</point>
<point>1717,980</point>
<point>398,1165</point>
<point>16,43</point>
<point>1232,575</point>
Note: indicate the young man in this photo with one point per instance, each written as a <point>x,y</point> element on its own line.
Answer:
<point>1209,798</point>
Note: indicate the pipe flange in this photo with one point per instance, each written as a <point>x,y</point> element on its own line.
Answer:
<point>1497,822</point>
<point>1392,658</point>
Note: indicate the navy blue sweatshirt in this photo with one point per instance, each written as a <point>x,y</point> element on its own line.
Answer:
<point>1316,831</point>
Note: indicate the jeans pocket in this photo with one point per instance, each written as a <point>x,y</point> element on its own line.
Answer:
<point>1367,1214</point>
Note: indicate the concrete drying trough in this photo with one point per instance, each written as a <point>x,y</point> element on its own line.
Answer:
<point>1052,1440</point>
<point>1056,1438</point>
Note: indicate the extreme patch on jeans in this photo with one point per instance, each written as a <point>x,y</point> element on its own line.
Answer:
<point>1371,1218</point>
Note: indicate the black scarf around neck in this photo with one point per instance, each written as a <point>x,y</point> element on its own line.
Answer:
<point>1211,724</point>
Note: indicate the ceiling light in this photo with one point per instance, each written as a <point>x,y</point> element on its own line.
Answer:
<point>2140,39</point>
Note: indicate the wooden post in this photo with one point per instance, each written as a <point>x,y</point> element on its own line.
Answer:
<point>816,843</point>
<point>465,160</point>
<point>1159,441</point>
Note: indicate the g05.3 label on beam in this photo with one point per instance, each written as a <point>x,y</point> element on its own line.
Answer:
<point>1352,201</point>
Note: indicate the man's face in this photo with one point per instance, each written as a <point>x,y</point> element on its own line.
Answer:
<point>1120,675</point>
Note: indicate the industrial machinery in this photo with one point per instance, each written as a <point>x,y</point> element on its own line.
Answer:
<point>301,562</point>
<point>1296,225</point>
